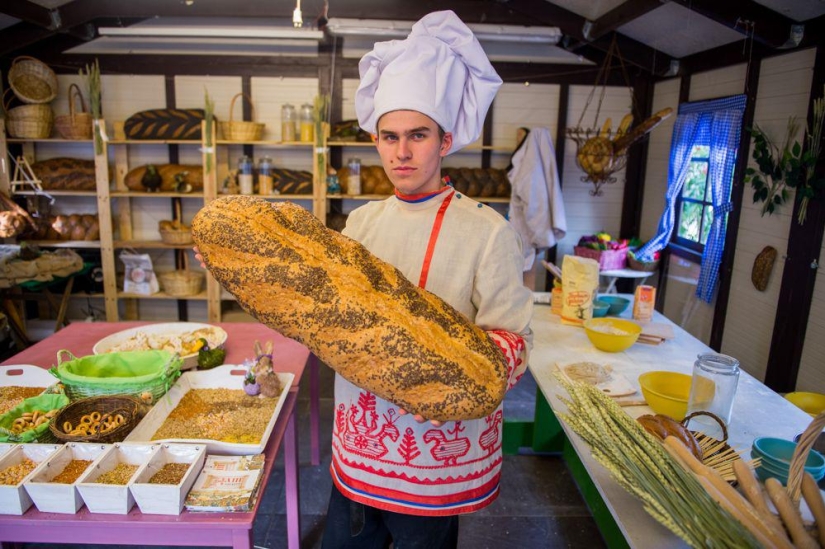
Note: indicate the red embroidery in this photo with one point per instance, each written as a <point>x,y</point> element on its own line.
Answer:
<point>490,437</point>
<point>448,450</point>
<point>361,433</point>
<point>408,449</point>
<point>428,256</point>
<point>341,457</point>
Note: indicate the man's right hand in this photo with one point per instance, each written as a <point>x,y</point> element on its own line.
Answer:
<point>199,257</point>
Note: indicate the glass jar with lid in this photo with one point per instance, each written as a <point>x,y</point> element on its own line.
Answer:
<point>307,123</point>
<point>713,388</point>
<point>288,123</point>
<point>265,176</point>
<point>354,176</point>
<point>245,176</point>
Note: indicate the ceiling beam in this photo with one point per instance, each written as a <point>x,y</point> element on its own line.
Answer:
<point>618,16</point>
<point>21,35</point>
<point>30,13</point>
<point>769,27</point>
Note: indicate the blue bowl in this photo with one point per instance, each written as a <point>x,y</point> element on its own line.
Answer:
<point>617,304</point>
<point>764,473</point>
<point>600,308</point>
<point>778,452</point>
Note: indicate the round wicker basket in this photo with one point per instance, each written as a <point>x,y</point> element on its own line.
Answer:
<point>240,131</point>
<point>80,411</point>
<point>75,125</point>
<point>28,121</point>
<point>32,80</point>
<point>636,265</point>
<point>181,283</point>
<point>176,236</point>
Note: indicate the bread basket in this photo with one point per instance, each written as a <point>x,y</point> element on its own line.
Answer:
<point>241,131</point>
<point>94,413</point>
<point>175,232</point>
<point>29,121</point>
<point>182,282</point>
<point>32,80</point>
<point>75,125</point>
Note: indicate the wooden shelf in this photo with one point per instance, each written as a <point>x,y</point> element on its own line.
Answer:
<point>470,148</point>
<point>48,140</point>
<point>55,193</point>
<point>90,244</point>
<point>151,245</point>
<point>154,142</point>
<point>268,143</point>
<point>144,194</point>
<point>490,200</point>
<point>162,295</point>
<point>282,196</point>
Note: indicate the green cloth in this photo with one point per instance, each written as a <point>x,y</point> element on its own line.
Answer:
<point>44,403</point>
<point>127,367</point>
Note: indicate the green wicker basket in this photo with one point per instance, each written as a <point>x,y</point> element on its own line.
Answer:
<point>146,375</point>
<point>41,433</point>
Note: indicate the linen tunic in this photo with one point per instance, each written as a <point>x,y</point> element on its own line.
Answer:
<point>389,461</point>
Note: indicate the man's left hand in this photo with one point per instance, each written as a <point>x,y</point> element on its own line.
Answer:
<point>420,419</point>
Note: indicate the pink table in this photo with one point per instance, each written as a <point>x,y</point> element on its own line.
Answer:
<point>233,529</point>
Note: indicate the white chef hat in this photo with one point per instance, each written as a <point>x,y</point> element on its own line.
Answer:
<point>439,70</point>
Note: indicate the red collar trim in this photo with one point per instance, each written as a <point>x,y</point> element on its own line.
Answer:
<point>420,197</point>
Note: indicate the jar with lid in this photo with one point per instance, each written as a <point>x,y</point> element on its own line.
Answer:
<point>354,176</point>
<point>265,176</point>
<point>245,181</point>
<point>307,123</point>
<point>713,388</point>
<point>288,122</point>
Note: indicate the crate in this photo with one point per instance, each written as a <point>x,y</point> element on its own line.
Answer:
<point>609,260</point>
<point>14,499</point>
<point>50,497</point>
<point>114,499</point>
<point>168,499</point>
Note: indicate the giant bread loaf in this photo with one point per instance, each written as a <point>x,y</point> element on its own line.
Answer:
<point>357,313</point>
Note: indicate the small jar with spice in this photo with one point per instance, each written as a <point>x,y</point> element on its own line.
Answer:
<point>265,176</point>
<point>354,177</point>
<point>307,124</point>
<point>245,177</point>
<point>288,122</point>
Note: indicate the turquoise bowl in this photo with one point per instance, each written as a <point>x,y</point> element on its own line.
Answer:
<point>778,452</point>
<point>617,304</point>
<point>600,308</point>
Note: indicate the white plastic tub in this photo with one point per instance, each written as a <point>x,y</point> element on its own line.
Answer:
<point>14,499</point>
<point>49,497</point>
<point>113,499</point>
<point>168,499</point>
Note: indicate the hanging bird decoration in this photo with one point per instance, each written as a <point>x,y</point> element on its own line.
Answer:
<point>151,179</point>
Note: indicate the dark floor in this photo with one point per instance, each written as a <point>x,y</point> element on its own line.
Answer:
<point>539,505</point>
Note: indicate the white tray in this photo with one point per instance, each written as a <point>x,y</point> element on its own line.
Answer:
<point>15,500</point>
<point>108,343</point>
<point>167,499</point>
<point>113,499</point>
<point>25,375</point>
<point>216,378</point>
<point>61,498</point>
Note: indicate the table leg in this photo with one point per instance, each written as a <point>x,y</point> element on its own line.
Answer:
<point>314,409</point>
<point>16,323</point>
<point>64,303</point>
<point>293,510</point>
<point>611,286</point>
<point>242,539</point>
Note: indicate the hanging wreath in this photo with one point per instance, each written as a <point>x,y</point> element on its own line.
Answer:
<point>601,152</point>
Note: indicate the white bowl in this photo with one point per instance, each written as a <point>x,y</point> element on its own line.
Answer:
<point>161,336</point>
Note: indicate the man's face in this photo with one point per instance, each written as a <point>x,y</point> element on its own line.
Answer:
<point>411,150</point>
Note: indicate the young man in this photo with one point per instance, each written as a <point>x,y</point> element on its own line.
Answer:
<point>400,477</point>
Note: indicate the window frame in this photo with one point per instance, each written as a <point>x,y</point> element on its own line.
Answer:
<point>683,242</point>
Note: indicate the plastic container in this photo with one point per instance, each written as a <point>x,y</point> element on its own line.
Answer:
<point>52,497</point>
<point>666,392</point>
<point>715,378</point>
<point>289,120</point>
<point>600,308</point>
<point>245,176</point>
<point>612,335</point>
<point>354,177</point>
<point>618,305</point>
<point>307,124</point>
<point>265,176</point>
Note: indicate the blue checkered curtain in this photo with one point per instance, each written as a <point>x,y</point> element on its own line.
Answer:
<point>725,130</point>
<point>717,124</point>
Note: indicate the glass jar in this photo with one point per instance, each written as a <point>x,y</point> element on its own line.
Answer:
<point>307,123</point>
<point>715,378</point>
<point>354,176</point>
<point>245,176</point>
<point>288,122</point>
<point>265,176</point>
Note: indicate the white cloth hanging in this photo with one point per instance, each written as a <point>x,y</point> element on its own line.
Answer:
<point>536,205</point>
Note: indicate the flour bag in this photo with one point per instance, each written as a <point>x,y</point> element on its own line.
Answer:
<point>140,275</point>
<point>580,277</point>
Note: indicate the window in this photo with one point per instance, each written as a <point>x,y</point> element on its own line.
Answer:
<point>694,207</point>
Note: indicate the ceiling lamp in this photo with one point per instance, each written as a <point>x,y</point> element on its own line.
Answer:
<point>484,32</point>
<point>209,31</point>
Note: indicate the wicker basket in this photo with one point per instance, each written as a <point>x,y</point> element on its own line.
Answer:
<point>645,266</point>
<point>75,125</point>
<point>175,232</point>
<point>181,283</point>
<point>130,408</point>
<point>28,121</point>
<point>241,131</point>
<point>32,80</point>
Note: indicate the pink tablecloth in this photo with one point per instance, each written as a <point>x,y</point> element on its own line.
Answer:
<point>80,337</point>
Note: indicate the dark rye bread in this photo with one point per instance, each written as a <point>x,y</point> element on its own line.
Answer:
<point>356,312</point>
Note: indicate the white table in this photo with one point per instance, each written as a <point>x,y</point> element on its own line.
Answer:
<point>615,274</point>
<point>757,411</point>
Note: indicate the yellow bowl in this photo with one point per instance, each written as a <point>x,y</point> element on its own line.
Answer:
<point>612,334</point>
<point>666,392</point>
<point>812,403</point>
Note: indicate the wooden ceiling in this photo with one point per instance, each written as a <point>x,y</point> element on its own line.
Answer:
<point>650,33</point>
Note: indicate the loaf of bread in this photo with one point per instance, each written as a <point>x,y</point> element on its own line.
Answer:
<point>194,176</point>
<point>66,174</point>
<point>662,426</point>
<point>356,312</point>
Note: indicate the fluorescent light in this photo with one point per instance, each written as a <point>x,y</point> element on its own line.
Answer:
<point>484,32</point>
<point>178,31</point>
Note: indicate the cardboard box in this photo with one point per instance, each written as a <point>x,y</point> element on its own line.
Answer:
<point>14,499</point>
<point>50,497</point>
<point>115,499</point>
<point>168,499</point>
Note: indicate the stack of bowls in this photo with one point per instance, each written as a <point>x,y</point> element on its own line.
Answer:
<point>776,454</point>
<point>600,309</point>
<point>617,304</point>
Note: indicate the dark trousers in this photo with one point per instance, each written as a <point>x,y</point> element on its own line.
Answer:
<point>352,525</point>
